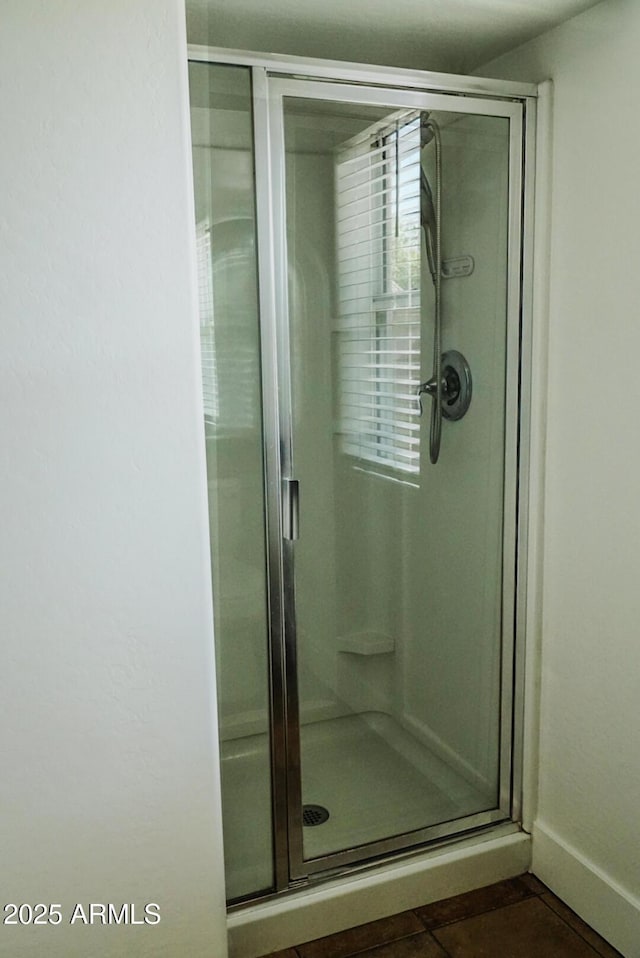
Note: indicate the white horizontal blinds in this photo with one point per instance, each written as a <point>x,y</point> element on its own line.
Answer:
<point>207,331</point>
<point>378,329</point>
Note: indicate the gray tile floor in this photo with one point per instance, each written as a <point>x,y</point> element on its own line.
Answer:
<point>518,918</point>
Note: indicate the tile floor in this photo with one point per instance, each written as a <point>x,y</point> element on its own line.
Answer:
<point>518,918</point>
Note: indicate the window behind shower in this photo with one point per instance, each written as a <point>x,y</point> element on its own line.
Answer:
<point>378,273</point>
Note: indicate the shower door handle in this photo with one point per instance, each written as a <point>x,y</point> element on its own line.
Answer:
<point>290,509</point>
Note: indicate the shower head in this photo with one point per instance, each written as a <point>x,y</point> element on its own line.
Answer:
<point>429,130</point>
<point>428,221</point>
<point>426,129</point>
<point>427,208</point>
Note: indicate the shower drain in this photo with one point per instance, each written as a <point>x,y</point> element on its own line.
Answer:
<point>314,814</point>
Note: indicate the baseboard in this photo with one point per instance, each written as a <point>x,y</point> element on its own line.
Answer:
<point>332,906</point>
<point>600,901</point>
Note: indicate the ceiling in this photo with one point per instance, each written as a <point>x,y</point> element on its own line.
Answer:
<point>456,36</point>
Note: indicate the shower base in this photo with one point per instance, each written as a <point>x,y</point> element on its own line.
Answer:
<point>375,779</point>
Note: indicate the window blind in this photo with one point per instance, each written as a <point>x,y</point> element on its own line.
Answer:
<point>207,330</point>
<point>228,329</point>
<point>378,325</point>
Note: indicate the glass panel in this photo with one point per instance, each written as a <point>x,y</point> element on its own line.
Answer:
<point>225,222</point>
<point>399,562</point>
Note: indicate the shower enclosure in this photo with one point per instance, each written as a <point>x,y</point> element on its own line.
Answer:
<point>360,263</point>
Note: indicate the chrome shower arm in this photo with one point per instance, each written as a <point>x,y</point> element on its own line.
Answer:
<point>435,265</point>
<point>427,218</point>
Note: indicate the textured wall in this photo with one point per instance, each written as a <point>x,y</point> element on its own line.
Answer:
<point>109,790</point>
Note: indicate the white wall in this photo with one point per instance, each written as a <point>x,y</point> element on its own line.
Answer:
<point>586,832</point>
<point>453,559</point>
<point>310,240</point>
<point>109,786</point>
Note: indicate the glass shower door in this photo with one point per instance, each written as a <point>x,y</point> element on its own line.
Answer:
<point>223,167</point>
<point>396,206</point>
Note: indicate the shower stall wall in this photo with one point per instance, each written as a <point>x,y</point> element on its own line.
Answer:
<point>364,594</point>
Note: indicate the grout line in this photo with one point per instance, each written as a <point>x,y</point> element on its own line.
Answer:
<point>595,950</point>
<point>384,944</point>
<point>485,911</point>
<point>440,945</point>
<point>378,944</point>
<point>545,889</point>
<point>531,893</point>
<point>418,918</point>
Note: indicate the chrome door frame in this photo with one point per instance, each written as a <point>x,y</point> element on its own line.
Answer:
<point>312,67</point>
<point>279,87</point>
<point>401,88</point>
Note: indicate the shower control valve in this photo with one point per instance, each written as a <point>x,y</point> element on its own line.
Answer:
<point>456,386</point>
